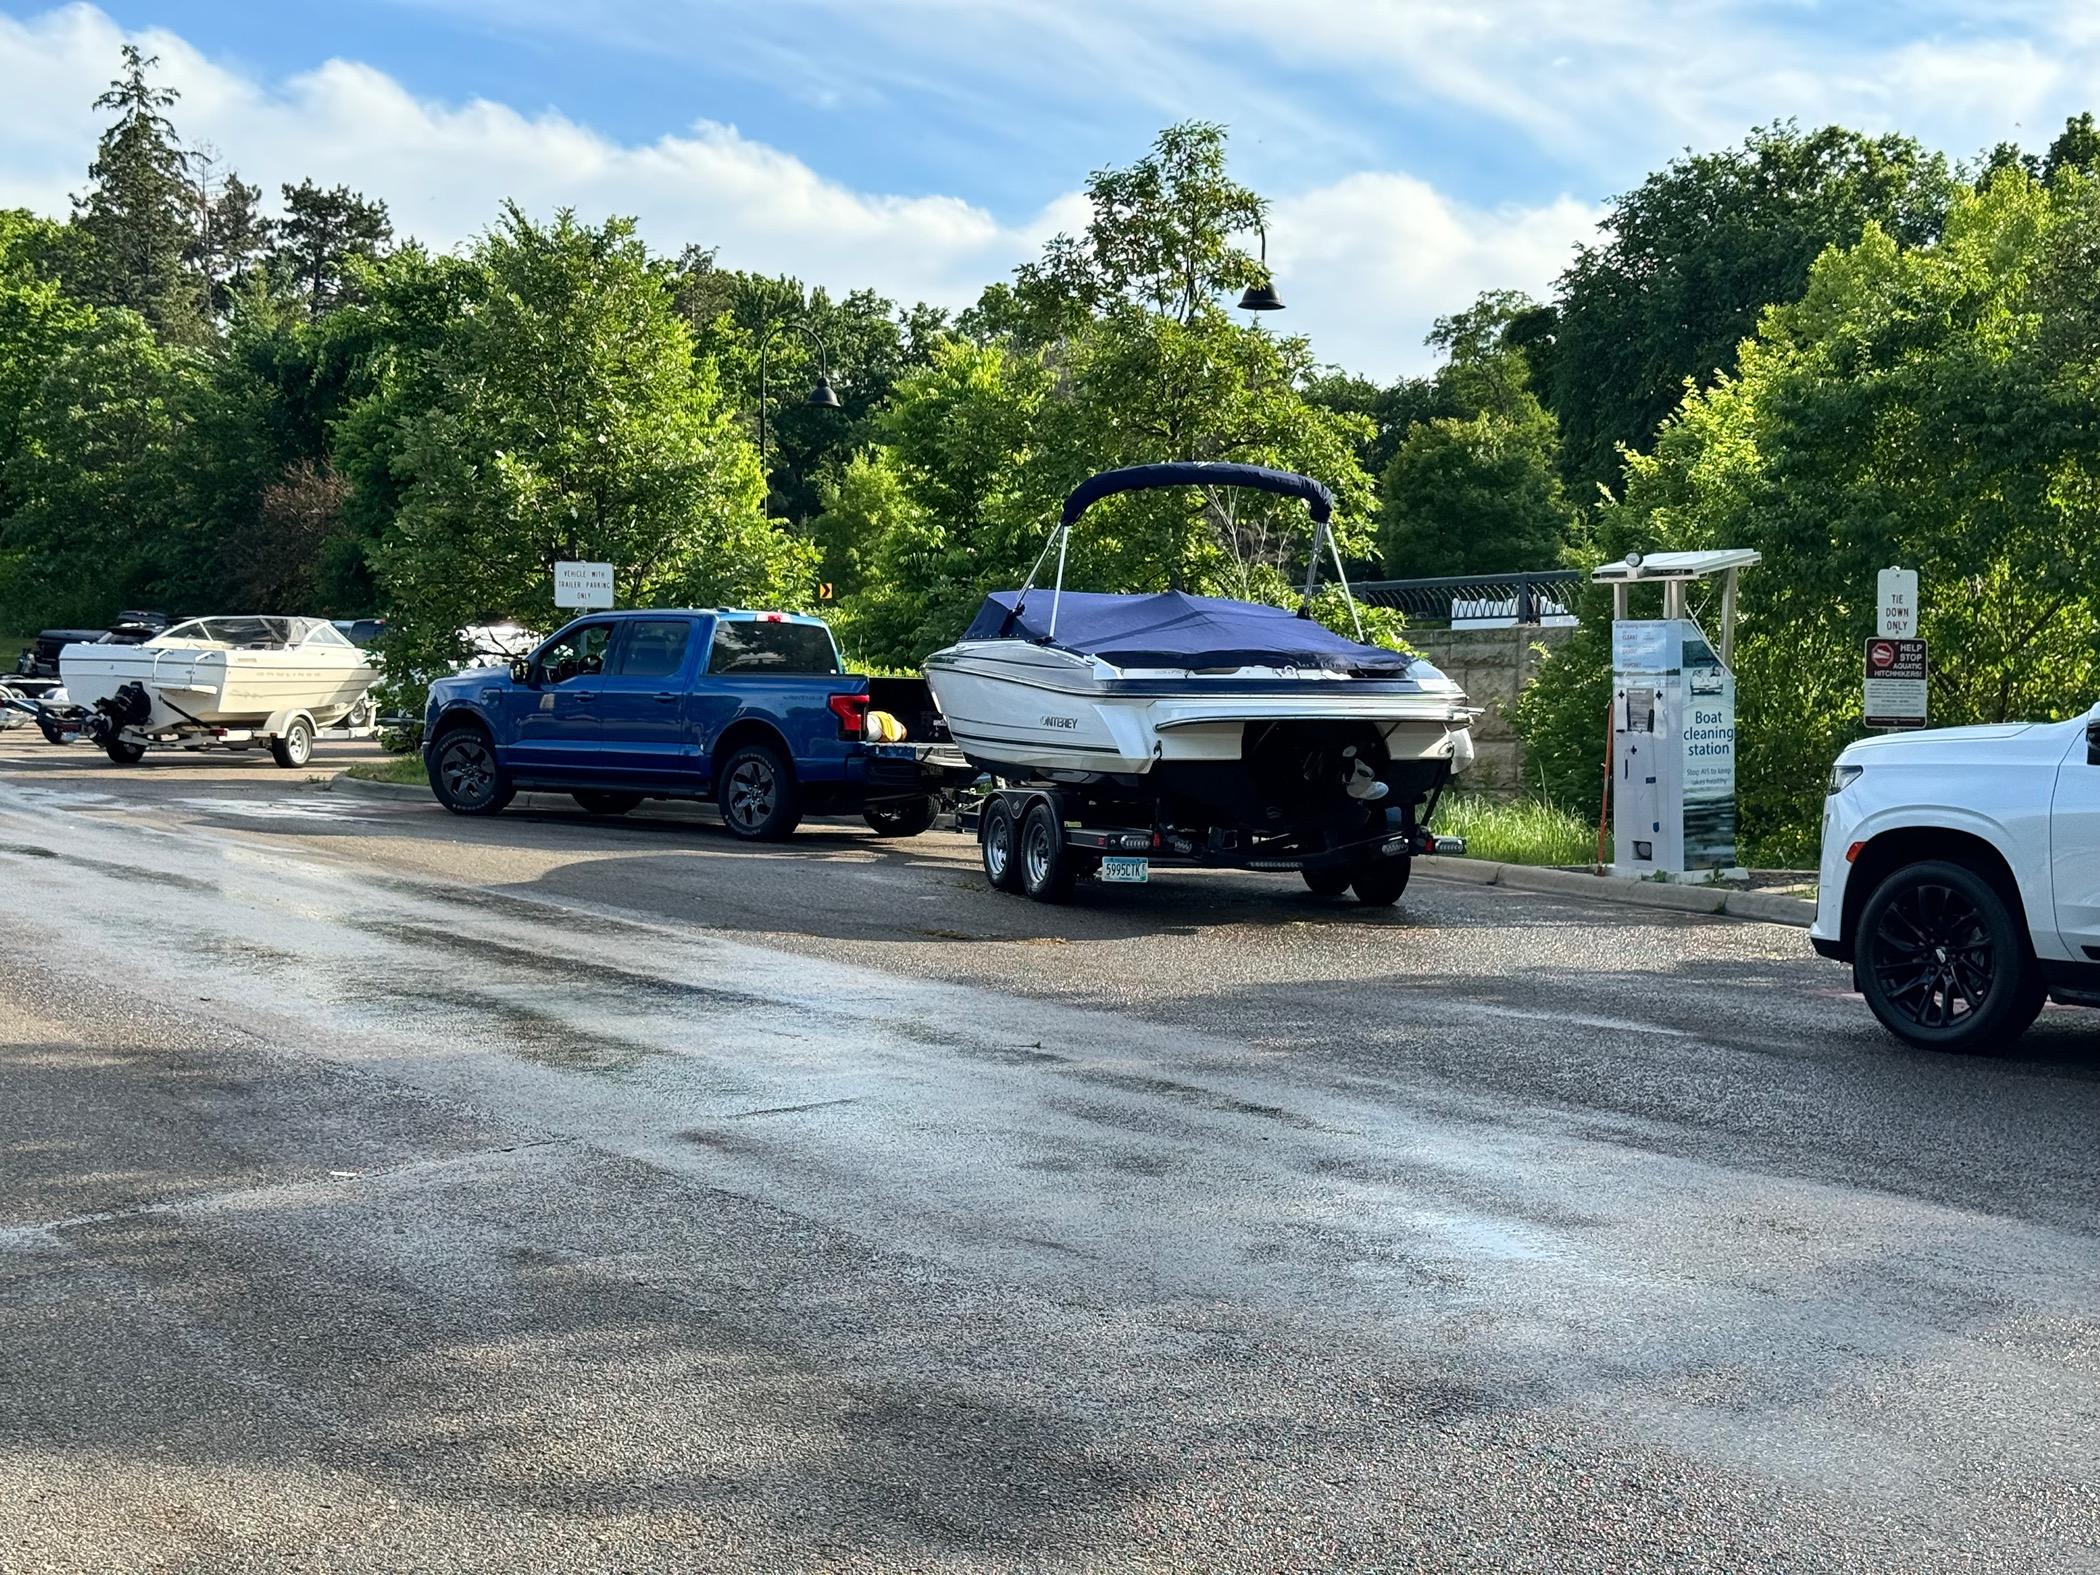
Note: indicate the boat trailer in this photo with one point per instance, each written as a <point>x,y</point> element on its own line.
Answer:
<point>116,726</point>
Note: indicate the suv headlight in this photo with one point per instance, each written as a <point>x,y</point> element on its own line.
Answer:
<point>1843,775</point>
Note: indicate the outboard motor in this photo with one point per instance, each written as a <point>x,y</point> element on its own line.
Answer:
<point>130,706</point>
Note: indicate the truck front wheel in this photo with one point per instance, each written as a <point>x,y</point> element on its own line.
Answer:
<point>758,796</point>
<point>464,776</point>
<point>1943,962</point>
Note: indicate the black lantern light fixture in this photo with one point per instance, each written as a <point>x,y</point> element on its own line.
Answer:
<point>1262,297</point>
<point>820,397</point>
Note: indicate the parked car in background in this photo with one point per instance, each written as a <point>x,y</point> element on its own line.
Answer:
<point>753,710</point>
<point>134,626</point>
<point>1961,877</point>
<point>362,632</point>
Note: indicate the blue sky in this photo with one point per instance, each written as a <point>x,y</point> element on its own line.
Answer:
<point>1416,151</point>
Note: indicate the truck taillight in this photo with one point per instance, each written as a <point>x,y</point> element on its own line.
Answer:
<point>852,712</point>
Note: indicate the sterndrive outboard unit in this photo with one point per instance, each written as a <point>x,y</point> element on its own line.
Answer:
<point>128,707</point>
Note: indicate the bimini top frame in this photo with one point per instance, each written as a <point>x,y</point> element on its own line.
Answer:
<point>1319,502</point>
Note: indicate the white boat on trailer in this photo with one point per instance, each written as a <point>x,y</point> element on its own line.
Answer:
<point>1124,730</point>
<point>235,682</point>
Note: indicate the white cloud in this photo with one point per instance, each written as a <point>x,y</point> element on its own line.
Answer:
<point>1366,263</point>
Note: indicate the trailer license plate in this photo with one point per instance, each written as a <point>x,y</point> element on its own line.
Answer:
<point>1125,870</point>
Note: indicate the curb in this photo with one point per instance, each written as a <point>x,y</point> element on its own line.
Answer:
<point>1761,906</point>
<point>342,782</point>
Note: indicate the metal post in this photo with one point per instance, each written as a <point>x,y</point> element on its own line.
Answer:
<point>1524,600</point>
<point>1673,598</point>
<point>1312,568</point>
<point>1064,539</point>
<point>1621,601</point>
<point>1728,618</point>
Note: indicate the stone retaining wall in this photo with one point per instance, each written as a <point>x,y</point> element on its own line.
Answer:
<point>1492,666</point>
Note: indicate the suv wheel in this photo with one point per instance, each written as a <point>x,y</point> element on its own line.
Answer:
<point>1943,963</point>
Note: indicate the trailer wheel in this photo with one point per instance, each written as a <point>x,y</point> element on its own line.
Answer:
<point>901,817</point>
<point>1328,881</point>
<point>124,754</point>
<point>1380,883</point>
<point>1046,863</point>
<point>1000,841</point>
<point>293,747</point>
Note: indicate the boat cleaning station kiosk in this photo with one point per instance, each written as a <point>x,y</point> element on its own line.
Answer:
<point>1673,719</point>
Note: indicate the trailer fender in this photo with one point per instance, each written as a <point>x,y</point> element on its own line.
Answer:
<point>280,720</point>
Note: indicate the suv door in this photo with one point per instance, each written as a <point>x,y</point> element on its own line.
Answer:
<point>2074,845</point>
<point>558,731</point>
<point>642,702</point>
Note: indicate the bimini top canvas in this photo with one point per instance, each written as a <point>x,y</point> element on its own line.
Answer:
<point>1175,630</point>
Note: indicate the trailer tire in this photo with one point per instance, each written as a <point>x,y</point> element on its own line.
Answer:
<point>123,754</point>
<point>1380,883</point>
<point>999,841</point>
<point>464,776</point>
<point>1046,863</point>
<point>294,747</point>
<point>901,817</point>
<point>1329,880</point>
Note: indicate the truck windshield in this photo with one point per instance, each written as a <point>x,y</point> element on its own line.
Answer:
<point>764,646</point>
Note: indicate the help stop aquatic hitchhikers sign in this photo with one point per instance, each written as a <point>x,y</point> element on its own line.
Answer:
<point>583,585</point>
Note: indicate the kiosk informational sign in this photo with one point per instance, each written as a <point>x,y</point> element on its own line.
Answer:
<point>1673,751</point>
<point>1897,678</point>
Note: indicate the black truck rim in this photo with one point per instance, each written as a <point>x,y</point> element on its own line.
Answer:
<point>469,772</point>
<point>751,790</point>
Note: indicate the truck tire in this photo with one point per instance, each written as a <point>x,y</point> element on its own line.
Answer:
<point>1328,881</point>
<point>1379,883</point>
<point>123,754</point>
<point>1943,963</point>
<point>464,775</point>
<point>295,745</point>
<point>1000,842</point>
<point>901,817</point>
<point>594,803</point>
<point>758,796</point>
<point>1046,862</point>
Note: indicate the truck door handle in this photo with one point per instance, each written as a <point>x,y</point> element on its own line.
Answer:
<point>666,697</point>
<point>583,694</point>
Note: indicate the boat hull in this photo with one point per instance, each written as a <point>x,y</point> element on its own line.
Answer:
<point>1019,709</point>
<point>188,685</point>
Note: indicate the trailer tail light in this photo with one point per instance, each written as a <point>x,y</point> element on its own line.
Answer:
<point>852,712</point>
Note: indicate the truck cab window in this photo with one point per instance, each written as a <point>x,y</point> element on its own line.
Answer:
<point>579,653</point>
<point>762,645</point>
<point>652,649</point>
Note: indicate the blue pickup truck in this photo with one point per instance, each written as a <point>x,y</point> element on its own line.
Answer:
<point>753,710</point>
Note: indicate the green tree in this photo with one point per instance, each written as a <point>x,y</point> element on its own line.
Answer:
<point>137,215</point>
<point>1930,406</point>
<point>324,234</point>
<point>1689,259</point>
<point>97,516</point>
<point>2077,147</point>
<point>567,417</point>
<point>231,235</point>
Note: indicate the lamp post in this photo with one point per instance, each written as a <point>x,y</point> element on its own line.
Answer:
<point>1262,297</point>
<point>820,397</point>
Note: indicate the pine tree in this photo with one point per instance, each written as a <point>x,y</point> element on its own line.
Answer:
<point>137,216</point>
<point>232,234</point>
<point>319,235</point>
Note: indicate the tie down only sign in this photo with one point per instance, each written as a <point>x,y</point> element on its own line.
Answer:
<point>1895,683</point>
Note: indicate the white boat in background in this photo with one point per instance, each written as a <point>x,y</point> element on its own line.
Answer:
<point>240,678</point>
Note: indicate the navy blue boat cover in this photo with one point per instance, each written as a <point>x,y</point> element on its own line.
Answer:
<point>1172,629</point>
<point>1205,473</point>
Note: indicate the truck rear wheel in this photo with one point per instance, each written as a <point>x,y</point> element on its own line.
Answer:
<point>758,796</point>
<point>1046,863</point>
<point>901,817</point>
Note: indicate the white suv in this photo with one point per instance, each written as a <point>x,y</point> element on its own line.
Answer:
<point>1961,877</point>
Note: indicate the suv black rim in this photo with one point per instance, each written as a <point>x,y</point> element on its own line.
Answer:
<point>750,793</point>
<point>1933,956</point>
<point>468,771</point>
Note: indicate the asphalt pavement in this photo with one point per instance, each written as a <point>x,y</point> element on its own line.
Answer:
<point>381,1190</point>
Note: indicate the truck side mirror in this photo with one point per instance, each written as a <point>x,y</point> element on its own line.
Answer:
<point>520,670</point>
<point>2092,742</point>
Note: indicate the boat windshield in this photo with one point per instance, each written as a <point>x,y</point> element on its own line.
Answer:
<point>241,633</point>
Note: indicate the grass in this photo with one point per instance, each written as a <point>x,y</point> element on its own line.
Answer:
<point>1517,830</point>
<point>395,768</point>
